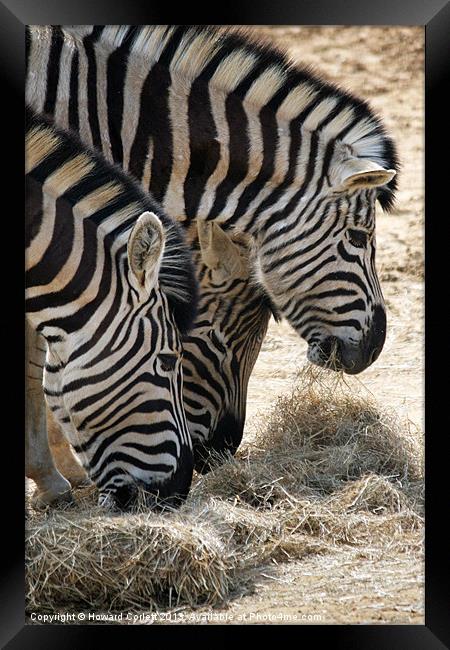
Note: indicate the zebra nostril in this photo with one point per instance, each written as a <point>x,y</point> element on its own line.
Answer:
<point>374,355</point>
<point>379,324</point>
<point>377,334</point>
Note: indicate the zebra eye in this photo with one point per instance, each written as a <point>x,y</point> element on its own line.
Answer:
<point>168,361</point>
<point>358,238</point>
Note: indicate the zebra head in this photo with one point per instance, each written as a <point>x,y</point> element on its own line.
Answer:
<point>221,349</point>
<point>118,392</point>
<point>318,262</point>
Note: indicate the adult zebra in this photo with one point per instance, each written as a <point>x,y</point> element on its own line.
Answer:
<point>221,129</point>
<point>110,286</point>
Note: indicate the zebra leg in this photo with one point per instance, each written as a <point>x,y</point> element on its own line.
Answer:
<point>65,459</point>
<point>39,464</point>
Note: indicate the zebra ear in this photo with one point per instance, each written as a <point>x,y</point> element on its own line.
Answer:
<point>145,249</point>
<point>219,252</point>
<point>360,173</point>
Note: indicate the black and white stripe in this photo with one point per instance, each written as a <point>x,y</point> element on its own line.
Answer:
<point>219,128</point>
<point>110,286</point>
<point>218,361</point>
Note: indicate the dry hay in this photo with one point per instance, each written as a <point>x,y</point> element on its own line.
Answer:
<point>87,559</point>
<point>331,470</point>
<point>326,433</point>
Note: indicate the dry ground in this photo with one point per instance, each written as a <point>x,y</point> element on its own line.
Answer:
<point>350,583</point>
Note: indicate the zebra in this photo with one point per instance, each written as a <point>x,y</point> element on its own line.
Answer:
<point>110,289</point>
<point>230,300</point>
<point>219,128</point>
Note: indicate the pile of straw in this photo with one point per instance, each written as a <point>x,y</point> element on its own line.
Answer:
<point>117,562</point>
<point>330,470</point>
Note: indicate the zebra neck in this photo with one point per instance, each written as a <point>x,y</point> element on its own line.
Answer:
<point>74,275</point>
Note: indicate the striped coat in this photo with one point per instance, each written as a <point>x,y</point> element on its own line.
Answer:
<point>109,286</point>
<point>220,128</point>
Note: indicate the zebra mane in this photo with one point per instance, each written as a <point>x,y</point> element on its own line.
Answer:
<point>225,56</point>
<point>118,190</point>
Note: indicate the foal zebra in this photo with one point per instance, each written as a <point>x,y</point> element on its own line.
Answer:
<point>110,285</point>
<point>221,129</point>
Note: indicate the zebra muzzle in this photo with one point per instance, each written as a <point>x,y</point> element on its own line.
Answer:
<point>333,353</point>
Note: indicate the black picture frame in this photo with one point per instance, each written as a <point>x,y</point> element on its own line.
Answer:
<point>434,15</point>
